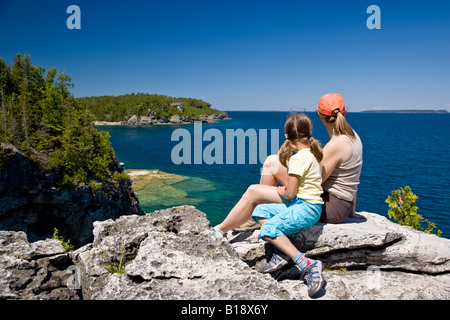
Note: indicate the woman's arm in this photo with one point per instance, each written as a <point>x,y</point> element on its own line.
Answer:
<point>334,152</point>
<point>290,190</point>
<point>353,214</point>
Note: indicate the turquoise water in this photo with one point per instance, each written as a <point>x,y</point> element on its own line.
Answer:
<point>399,150</point>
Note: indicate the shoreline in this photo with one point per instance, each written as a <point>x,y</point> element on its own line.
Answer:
<point>418,111</point>
<point>136,120</point>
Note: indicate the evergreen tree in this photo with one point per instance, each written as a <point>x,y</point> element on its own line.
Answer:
<point>5,75</point>
<point>42,119</point>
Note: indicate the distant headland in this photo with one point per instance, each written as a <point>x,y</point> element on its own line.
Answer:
<point>406,111</point>
<point>147,109</point>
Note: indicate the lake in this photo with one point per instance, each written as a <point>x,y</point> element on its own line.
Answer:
<point>400,150</point>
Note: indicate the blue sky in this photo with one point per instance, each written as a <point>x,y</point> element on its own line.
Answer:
<point>249,55</point>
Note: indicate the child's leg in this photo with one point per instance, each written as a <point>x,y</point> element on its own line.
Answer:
<point>281,242</point>
<point>284,221</point>
<point>284,244</point>
<point>242,211</point>
<point>291,220</point>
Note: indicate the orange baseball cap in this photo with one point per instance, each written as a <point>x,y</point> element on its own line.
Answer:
<point>330,102</point>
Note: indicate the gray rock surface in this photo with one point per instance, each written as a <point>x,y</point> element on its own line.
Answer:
<point>36,270</point>
<point>175,254</point>
<point>358,243</point>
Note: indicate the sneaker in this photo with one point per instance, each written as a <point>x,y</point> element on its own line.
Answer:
<point>313,277</point>
<point>248,226</point>
<point>278,261</point>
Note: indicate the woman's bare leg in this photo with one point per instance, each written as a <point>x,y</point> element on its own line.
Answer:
<point>273,172</point>
<point>242,211</point>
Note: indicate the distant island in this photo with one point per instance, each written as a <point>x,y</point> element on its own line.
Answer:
<point>144,109</point>
<point>406,111</point>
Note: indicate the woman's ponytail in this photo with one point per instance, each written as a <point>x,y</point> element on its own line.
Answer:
<point>316,149</point>
<point>341,126</point>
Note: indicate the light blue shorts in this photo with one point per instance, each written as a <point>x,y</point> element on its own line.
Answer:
<point>287,218</point>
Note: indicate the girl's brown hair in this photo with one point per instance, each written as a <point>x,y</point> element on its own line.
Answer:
<point>298,127</point>
<point>341,125</point>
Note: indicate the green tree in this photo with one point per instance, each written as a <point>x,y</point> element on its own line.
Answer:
<point>403,209</point>
<point>29,85</point>
<point>52,103</point>
<point>84,153</point>
<point>66,244</point>
<point>5,74</point>
<point>42,119</point>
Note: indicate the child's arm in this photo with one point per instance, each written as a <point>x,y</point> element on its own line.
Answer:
<point>289,191</point>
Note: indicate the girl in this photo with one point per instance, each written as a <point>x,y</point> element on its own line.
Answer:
<point>294,206</point>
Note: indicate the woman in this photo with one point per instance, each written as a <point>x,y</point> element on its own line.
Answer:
<point>342,161</point>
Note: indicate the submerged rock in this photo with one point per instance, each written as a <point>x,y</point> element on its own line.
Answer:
<point>157,189</point>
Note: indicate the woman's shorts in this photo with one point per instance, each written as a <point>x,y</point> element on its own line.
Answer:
<point>335,210</point>
<point>286,218</point>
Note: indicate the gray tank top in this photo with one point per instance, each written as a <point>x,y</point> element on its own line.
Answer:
<point>344,180</point>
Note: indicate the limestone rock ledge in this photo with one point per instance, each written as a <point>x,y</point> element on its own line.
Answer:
<point>175,254</point>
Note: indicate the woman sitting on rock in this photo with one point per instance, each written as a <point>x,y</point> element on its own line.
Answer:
<point>342,161</point>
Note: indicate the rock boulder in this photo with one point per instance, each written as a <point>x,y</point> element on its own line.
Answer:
<point>38,270</point>
<point>359,243</point>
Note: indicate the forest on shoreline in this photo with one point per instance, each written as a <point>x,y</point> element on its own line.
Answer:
<point>123,107</point>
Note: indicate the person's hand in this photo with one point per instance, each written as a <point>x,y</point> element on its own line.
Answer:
<point>280,190</point>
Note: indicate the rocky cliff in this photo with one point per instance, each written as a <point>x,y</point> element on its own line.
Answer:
<point>30,200</point>
<point>175,254</point>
